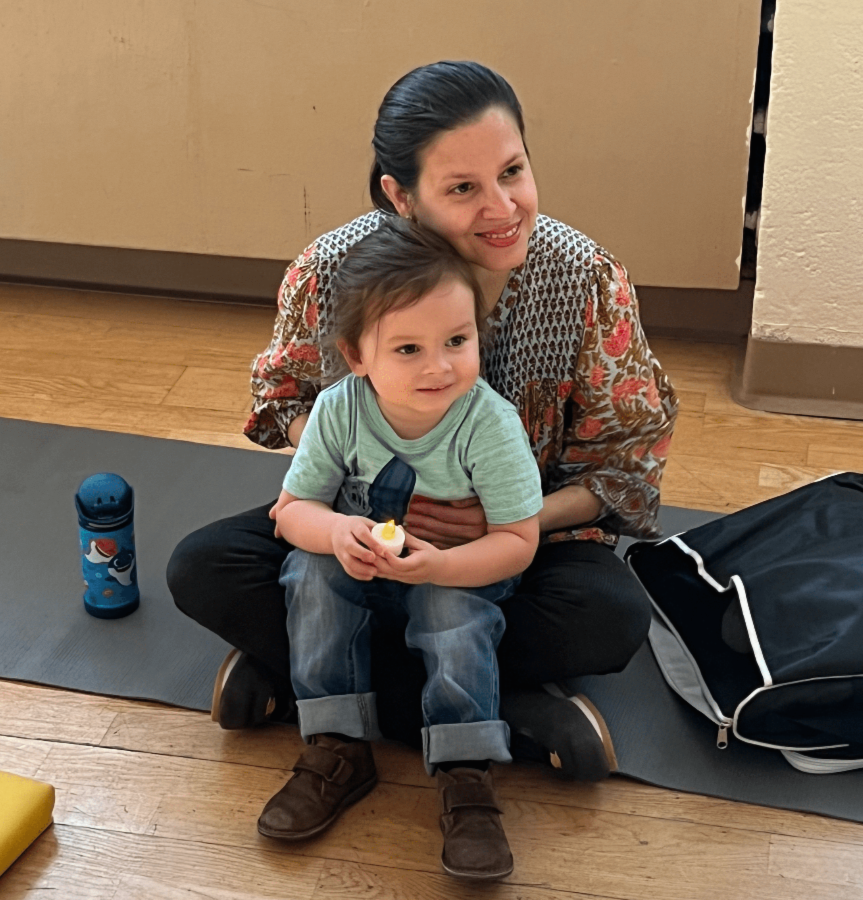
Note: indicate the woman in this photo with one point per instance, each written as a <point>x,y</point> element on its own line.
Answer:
<point>565,346</point>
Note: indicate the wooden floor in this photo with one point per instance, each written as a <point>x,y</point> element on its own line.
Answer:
<point>156,803</point>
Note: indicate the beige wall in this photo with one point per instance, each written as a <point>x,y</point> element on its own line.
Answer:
<point>242,128</point>
<point>809,285</point>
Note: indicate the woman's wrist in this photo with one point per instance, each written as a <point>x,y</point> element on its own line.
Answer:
<point>569,507</point>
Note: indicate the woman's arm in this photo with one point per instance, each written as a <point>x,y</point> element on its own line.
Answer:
<point>624,412</point>
<point>504,552</point>
<point>286,377</point>
<point>570,506</point>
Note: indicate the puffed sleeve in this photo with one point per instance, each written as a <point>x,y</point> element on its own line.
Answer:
<point>624,408</point>
<point>286,377</point>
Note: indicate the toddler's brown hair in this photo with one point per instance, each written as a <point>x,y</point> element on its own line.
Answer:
<point>393,268</point>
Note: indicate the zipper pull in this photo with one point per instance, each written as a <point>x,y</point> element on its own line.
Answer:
<point>722,737</point>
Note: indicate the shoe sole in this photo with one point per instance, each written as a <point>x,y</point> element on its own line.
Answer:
<point>349,800</point>
<point>590,711</point>
<point>607,744</point>
<point>471,876</point>
<point>224,671</point>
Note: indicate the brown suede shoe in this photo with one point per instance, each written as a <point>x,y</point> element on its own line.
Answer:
<point>474,845</point>
<point>328,777</point>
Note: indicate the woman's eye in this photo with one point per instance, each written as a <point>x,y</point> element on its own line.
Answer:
<point>408,349</point>
<point>511,171</point>
<point>461,188</point>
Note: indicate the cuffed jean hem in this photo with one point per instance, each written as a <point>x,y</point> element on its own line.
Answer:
<point>354,715</point>
<point>464,741</point>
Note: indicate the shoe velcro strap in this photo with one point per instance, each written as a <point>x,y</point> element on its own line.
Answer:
<point>468,793</point>
<point>325,763</point>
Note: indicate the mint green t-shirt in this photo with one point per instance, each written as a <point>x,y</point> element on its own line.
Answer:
<point>350,457</point>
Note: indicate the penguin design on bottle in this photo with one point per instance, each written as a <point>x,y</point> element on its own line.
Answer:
<point>121,568</point>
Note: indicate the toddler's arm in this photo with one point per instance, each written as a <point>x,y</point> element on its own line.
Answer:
<point>313,526</point>
<point>504,552</point>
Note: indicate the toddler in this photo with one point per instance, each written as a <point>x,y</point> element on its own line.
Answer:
<point>413,417</point>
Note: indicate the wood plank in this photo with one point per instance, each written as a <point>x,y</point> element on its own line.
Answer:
<point>78,379</point>
<point>102,339</point>
<point>834,456</point>
<point>22,757</point>
<point>89,864</point>
<point>691,401</point>
<point>782,479</point>
<point>70,863</point>
<point>822,862</point>
<point>202,388</point>
<point>181,423</point>
<point>74,413</point>
<point>33,711</point>
<point>347,881</point>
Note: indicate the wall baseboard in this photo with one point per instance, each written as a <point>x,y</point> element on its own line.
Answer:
<point>684,313</point>
<point>801,379</point>
<point>697,314</point>
<point>196,276</point>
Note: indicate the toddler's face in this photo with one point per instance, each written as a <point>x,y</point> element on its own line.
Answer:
<point>421,359</point>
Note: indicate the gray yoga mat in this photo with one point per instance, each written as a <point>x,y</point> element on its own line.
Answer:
<point>158,654</point>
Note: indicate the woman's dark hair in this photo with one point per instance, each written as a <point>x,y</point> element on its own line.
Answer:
<point>420,105</point>
<point>393,268</point>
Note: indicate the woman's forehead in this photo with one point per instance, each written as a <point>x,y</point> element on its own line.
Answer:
<point>491,141</point>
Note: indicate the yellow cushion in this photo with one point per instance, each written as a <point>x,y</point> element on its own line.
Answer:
<point>25,812</point>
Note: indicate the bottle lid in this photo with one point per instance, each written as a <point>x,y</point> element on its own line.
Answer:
<point>104,502</point>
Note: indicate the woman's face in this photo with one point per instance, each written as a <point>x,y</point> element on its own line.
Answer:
<point>476,189</point>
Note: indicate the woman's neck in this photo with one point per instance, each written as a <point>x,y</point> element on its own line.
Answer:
<point>492,284</point>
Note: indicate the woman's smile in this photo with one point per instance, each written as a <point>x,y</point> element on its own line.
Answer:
<point>500,237</point>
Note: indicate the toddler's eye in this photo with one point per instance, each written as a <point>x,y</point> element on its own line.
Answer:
<point>456,341</point>
<point>408,349</point>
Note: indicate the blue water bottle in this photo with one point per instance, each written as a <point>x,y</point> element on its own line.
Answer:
<point>106,506</point>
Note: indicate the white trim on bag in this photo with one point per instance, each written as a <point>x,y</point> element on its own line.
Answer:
<point>721,719</point>
<point>812,765</point>
<point>736,583</point>
<point>774,687</point>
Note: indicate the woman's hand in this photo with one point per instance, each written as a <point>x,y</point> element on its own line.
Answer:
<point>284,499</point>
<point>446,524</point>
<point>352,538</point>
<point>424,564</point>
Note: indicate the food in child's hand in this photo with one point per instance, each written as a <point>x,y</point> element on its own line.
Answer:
<point>390,536</point>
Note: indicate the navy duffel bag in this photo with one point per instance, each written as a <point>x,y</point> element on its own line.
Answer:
<point>758,622</point>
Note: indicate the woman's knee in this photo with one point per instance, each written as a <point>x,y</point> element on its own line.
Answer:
<point>627,625</point>
<point>187,570</point>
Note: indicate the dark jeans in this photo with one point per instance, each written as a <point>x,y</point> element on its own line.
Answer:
<point>577,611</point>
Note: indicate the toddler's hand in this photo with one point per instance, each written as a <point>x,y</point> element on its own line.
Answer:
<point>352,538</point>
<point>423,565</point>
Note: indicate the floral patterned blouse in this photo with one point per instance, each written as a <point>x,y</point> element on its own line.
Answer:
<point>564,345</point>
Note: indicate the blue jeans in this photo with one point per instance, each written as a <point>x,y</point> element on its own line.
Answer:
<point>456,631</point>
